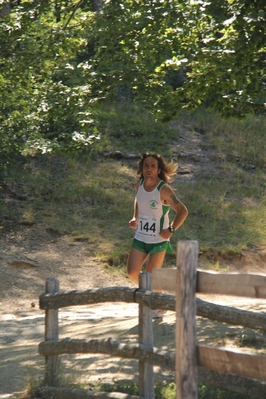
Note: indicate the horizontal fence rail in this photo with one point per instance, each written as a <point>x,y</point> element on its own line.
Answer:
<point>237,284</point>
<point>206,355</point>
<point>165,359</point>
<point>216,359</point>
<point>231,369</point>
<point>210,282</point>
<point>110,347</point>
<point>120,294</point>
<point>232,362</point>
<point>154,300</point>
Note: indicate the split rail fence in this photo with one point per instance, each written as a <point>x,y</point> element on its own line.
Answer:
<point>231,369</point>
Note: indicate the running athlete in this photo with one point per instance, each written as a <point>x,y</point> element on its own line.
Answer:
<point>151,214</point>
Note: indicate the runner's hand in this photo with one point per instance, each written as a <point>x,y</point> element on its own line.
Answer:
<point>165,233</point>
<point>133,223</point>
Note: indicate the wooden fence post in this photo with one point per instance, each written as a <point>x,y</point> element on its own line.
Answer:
<point>51,333</point>
<point>186,339</point>
<point>146,374</point>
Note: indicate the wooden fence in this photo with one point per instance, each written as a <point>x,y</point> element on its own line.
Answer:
<point>231,369</point>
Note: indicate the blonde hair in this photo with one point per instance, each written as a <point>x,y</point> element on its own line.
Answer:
<point>167,170</point>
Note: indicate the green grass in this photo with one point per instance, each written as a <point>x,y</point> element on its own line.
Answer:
<point>89,197</point>
<point>162,390</point>
<point>224,214</point>
<point>166,390</point>
<point>227,209</point>
<point>129,128</point>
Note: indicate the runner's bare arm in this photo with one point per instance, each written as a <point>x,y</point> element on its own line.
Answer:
<point>169,198</point>
<point>133,223</point>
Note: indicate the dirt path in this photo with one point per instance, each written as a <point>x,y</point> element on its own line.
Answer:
<point>24,268</point>
<point>21,333</point>
<point>26,259</point>
<point>22,322</point>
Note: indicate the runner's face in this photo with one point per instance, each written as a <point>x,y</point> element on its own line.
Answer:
<point>150,168</point>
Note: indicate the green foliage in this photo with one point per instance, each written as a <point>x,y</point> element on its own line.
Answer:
<point>61,121</point>
<point>209,42</point>
<point>12,121</point>
<point>167,390</point>
<point>163,390</point>
<point>45,94</point>
<point>58,58</point>
<point>124,386</point>
<point>130,128</point>
<point>208,392</point>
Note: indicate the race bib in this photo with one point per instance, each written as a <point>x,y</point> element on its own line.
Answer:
<point>147,226</point>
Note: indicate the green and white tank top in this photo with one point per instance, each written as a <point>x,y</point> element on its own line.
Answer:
<point>153,214</point>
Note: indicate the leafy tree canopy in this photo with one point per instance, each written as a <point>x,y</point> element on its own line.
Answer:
<point>44,95</point>
<point>57,58</point>
<point>176,54</point>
